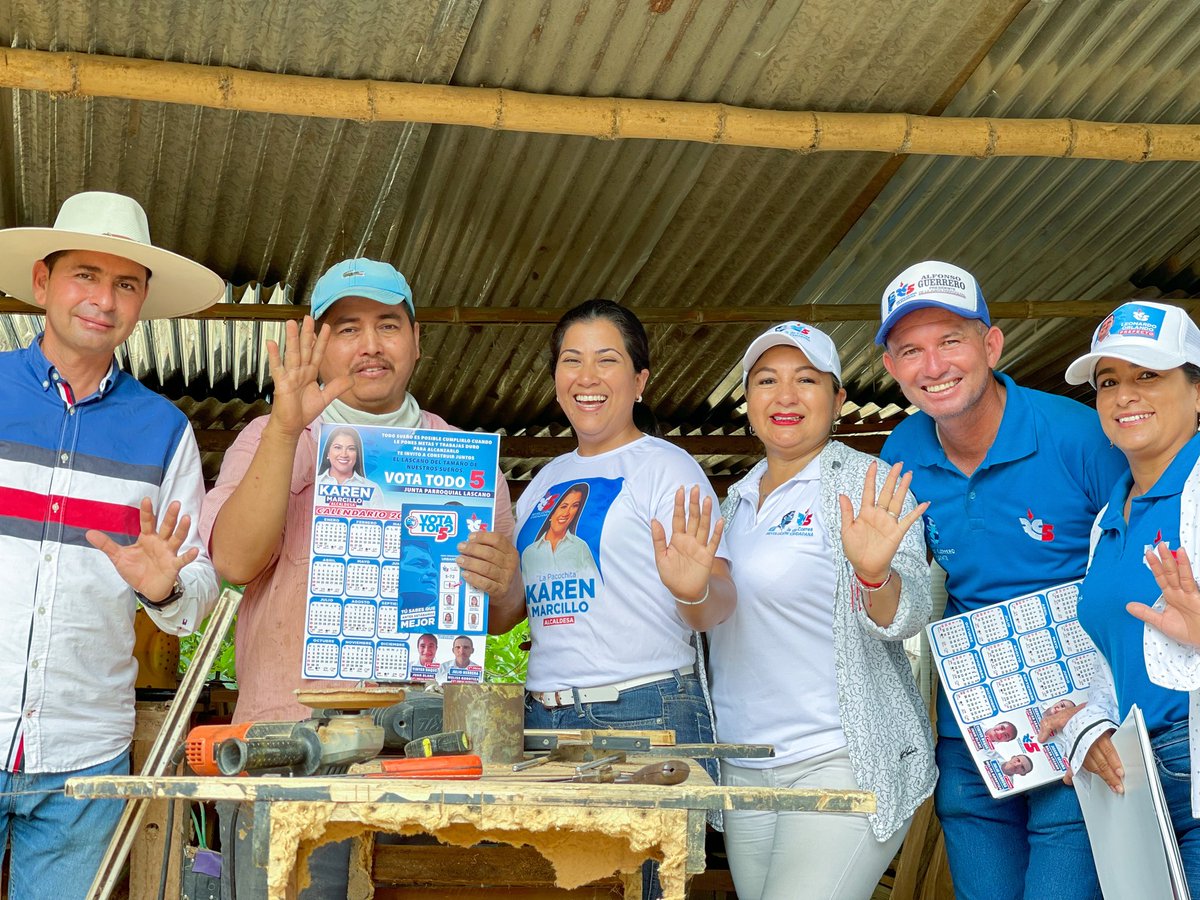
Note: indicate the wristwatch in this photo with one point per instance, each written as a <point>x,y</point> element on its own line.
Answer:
<point>175,595</point>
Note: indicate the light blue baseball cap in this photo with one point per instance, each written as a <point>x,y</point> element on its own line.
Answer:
<point>361,277</point>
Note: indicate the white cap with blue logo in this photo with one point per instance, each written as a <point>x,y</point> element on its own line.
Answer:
<point>931,283</point>
<point>812,342</point>
<point>1153,335</point>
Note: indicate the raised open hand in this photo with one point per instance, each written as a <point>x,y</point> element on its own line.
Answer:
<point>685,565</point>
<point>871,538</point>
<point>1180,618</point>
<point>152,563</point>
<point>298,395</point>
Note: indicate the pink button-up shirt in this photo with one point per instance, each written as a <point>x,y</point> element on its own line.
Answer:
<point>270,630</point>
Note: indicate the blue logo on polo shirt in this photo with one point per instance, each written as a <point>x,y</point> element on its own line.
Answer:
<point>932,538</point>
<point>794,523</point>
<point>1036,528</point>
<point>1150,548</point>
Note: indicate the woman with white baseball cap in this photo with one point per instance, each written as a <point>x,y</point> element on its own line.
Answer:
<point>1144,363</point>
<point>828,588</point>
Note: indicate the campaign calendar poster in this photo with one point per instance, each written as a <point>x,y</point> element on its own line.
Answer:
<point>386,598</point>
<point>1003,668</point>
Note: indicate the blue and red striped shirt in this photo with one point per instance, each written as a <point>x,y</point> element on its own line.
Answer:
<point>66,466</point>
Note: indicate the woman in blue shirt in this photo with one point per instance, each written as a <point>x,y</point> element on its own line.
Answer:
<point>1145,366</point>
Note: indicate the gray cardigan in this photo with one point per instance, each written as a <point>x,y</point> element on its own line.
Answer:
<point>885,721</point>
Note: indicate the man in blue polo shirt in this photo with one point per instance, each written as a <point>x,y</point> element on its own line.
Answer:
<point>89,461</point>
<point>1015,478</point>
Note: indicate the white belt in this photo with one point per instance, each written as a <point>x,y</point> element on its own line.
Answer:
<point>605,693</point>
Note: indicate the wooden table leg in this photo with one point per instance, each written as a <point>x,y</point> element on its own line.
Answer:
<point>361,885</point>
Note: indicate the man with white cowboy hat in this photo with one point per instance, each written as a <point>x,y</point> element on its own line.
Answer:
<point>92,465</point>
<point>1014,478</point>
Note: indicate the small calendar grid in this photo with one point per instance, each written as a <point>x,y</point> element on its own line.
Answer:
<point>1038,647</point>
<point>1029,614</point>
<point>951,636</point>
<point>1000,659</point>
<point>366,539</point>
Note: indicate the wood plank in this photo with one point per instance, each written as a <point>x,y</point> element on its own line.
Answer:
<point>352,790</point>
<point>158,760</point>
<point>444,865</point>
<point>598,892</point>
<point>145,856</point>
<point>351,698</point>
<point>663,738</point>
<point>813,313</point>
<point>712,880</point>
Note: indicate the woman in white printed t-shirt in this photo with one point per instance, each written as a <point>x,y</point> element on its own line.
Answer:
<point>612,628</point>
<point>828,588</point>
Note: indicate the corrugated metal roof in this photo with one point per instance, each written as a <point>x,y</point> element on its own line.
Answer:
<point>480,218</point>
<point>1042,229</point>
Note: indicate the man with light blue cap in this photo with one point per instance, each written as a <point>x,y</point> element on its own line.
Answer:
<point>1014,478</point>
<point>352,366</point>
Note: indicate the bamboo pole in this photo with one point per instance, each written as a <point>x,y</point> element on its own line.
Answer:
<point>813,313</point>
<point>604,118</point>
<point>218,440</point>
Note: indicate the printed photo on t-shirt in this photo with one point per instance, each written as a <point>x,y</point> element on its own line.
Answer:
<point>560,547</point>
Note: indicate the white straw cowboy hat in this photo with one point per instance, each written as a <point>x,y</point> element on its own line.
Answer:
<point>116,224</point>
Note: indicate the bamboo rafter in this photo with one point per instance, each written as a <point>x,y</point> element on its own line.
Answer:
<point>813,313</point>
<point>604,118</point>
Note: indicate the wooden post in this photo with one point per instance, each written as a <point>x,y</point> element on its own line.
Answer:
<point>492,715</point>
<point>145,859</point>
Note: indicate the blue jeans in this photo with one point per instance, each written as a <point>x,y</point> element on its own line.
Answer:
<point>1172,758</point>
<point>675,703</point>
<point>1031,845</point>
<point>57,841</point>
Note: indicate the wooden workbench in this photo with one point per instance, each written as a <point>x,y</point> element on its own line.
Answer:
<point>586,831</point>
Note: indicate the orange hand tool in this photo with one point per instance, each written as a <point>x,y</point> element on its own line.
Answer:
<point>462,767</point>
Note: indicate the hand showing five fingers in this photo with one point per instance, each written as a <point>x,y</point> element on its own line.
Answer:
<point>871,538</point>
<point>151,564</point>
<point>299,397</point>
<point>1180,619</point>
<point>685,565</point>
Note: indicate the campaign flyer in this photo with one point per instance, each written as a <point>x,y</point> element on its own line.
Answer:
<point>386,598</point>
<point>1003,668</point>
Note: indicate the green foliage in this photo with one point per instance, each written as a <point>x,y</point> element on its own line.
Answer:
<point>222,669</point>
<point>506,661</point>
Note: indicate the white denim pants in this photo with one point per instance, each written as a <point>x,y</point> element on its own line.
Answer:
<point>804,855</point>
